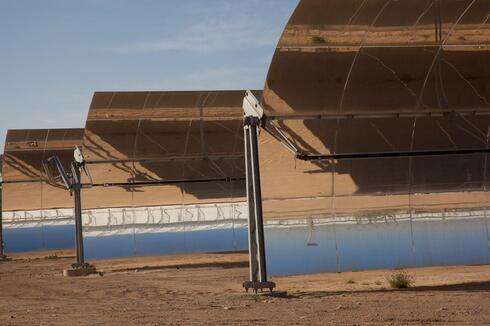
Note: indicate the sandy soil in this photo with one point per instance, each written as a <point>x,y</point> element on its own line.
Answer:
<point>206,289</point>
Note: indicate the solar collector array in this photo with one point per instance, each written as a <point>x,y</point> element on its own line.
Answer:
<point>354,78</point>
<point>25,185</point>
<point>165,148</point>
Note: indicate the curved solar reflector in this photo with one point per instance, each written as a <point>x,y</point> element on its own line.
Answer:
<point>365,57</point>
<point>36,215</point>
<point>407,82</point>
<point>165,148</point>
<point>168,173</point>
<point>24,180</point>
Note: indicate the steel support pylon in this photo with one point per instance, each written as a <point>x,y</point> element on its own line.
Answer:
<point>77,189</point>
<point>258,267</point>
<point>80,268</point>
<point>2,248</point>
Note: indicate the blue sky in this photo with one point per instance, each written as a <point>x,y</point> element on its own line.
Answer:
<point>55,53</point>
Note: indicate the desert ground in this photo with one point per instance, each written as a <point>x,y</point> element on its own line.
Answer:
<point>206,289</point>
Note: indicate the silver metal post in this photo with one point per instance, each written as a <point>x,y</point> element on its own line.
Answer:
<point>80,268</point>
<point>257,198</point>
<point>258,266</point>
<point>78,221</point>
<point>253,114</point>
<point>252,229</point>
<point>72,183</point>
<point>2,249</point>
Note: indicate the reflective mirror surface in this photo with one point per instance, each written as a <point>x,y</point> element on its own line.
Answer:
<point>37,215</point>
<point>381,56</point>
<point>378,77</point>
<point>168,173</point>
<point>381,76</point>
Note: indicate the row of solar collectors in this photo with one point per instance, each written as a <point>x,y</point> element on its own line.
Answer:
<point>168,151</point>
<point>423,63</point>
<point>372,57</point>
<point>158,149</point>
<point>361,77</point>
<point>354,77</point>
<point>132,148</point>
<point>24,180</point>
<point>351,78</point>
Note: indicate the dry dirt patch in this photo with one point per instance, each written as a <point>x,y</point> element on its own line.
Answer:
<point>206,289</point>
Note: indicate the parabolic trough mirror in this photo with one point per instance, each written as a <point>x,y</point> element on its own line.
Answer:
<point>373,152</point>
<point>378,120</point>
<point>36,215</point>
<point>168,173</point>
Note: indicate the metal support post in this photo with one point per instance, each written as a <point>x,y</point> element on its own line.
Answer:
<point>258,268</point>
<point>2,249</point>
<point>252,226</point>
<point>56,174</point>
<point>80,268</point>
<point>77,188</point>
<point>257,198</point>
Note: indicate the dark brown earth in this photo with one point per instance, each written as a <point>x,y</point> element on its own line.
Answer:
<point>206,289</point>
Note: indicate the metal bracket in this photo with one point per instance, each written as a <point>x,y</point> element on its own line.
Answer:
<point>253,114</point>
<point>252,107</point>
<point>56,173</point>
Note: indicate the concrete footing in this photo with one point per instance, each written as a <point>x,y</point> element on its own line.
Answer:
<point>78,272</point>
